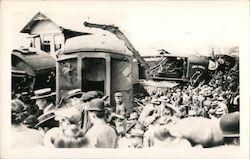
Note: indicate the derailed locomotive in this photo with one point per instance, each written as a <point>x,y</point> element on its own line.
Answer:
<point>31,70</point>
<point>191,69</point>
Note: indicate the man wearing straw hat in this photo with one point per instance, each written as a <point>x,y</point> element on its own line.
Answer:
<point>41,97</point>
<point>43,104</point>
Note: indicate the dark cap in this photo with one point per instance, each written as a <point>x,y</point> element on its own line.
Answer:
<point>230,124</point>
<point>96,105</point>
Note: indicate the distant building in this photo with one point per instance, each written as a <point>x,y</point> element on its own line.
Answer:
<point>46,35</point>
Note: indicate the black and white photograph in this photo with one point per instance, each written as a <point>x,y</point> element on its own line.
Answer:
<point>125,79</point>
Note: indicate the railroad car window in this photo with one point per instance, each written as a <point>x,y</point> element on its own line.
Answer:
<point>68,72</point>
<point>93,74</point>
<point>67,76</point>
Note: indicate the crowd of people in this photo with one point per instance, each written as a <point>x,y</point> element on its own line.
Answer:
<point>179,117</point>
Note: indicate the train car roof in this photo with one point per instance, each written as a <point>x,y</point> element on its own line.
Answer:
<point>96,42</point>
<point>37,60</point>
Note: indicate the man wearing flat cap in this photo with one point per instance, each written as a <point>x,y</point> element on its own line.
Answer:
<point>100,135</point>
<point>120,106</point>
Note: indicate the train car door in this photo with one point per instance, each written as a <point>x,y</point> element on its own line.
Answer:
<point>93,74</point>
<point>121,80</point>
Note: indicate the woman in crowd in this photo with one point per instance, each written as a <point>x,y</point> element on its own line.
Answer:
<point>21,135</point>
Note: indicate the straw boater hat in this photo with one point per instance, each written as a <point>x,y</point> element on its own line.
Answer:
<point>49,108</point>
<point>45,119</point>
<point>71,114</point>
<point>230,124</point>
<point>43,93</point>
<point>219,111</point>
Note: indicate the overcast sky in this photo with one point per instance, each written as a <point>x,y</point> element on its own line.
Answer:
<point>182,27</point>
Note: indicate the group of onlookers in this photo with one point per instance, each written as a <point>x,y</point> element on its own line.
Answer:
<point>184,116</point>
<point>78,121</point>
<point>85,120</point>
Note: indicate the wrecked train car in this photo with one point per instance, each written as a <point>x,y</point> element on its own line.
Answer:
<point>97,62</point>
<point>32,70</point>
<point>188,69</point>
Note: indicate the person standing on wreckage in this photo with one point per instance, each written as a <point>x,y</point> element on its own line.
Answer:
<point>120,105</point>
